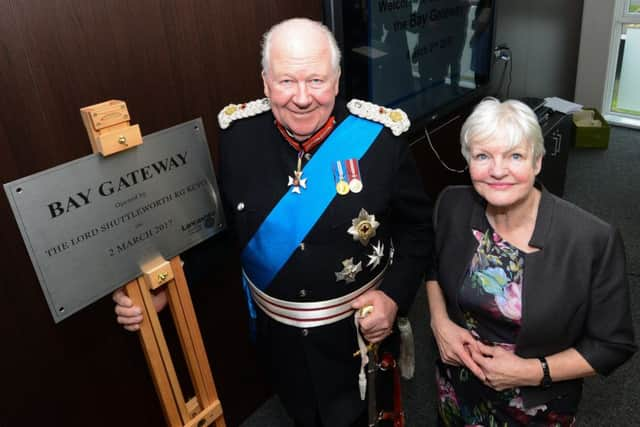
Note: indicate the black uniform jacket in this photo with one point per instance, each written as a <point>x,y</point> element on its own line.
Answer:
<point>314,370</point>
<point>575,291</point>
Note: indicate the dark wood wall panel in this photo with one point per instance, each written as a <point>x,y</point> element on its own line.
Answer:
<point>20,112</point>
<point>171,61</point>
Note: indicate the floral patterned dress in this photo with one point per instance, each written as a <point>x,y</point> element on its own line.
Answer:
<point>491,300</point>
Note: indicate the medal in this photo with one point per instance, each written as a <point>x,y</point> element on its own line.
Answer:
<point>363,228</point>
<point>349,271</point>
<point>297,181</point>
<point>341,186</point>
<point>376,255</point>
<point>355,185</point>
<point>353,174</point>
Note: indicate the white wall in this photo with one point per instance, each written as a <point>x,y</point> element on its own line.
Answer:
<point>597,19</point>
<point>544,37</point>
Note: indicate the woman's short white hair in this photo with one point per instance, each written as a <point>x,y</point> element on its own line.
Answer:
<point>511,121</point>
<point>268,36</point>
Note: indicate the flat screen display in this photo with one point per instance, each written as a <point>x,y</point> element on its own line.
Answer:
<point>418,55</point>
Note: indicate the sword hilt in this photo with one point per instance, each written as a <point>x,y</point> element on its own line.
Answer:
<point>370,347</point>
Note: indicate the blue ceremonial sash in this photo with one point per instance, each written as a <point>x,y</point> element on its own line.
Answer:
<point>294,215</point>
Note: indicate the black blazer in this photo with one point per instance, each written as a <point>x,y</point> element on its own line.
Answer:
<point>575,290</point>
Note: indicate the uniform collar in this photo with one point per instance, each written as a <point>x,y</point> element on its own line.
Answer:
<point>313,141</point>
<point>338,115</point>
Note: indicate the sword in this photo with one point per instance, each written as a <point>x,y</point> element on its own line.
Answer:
<point>371,351</point>
<point>372,369</point>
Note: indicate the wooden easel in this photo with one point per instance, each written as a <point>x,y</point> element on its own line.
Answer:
<point>109,130</point>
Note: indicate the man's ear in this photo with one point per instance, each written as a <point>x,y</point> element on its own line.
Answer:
<point>336,84</point>
<point>265,84</point>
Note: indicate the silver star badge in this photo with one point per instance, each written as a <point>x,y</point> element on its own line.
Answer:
<point>297,182</point>
<point>376,256</point>
<point>363,227</point>
<point>349,271</point>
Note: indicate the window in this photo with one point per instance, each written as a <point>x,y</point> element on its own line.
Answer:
<point>626,90</point>
<point>622,98</point>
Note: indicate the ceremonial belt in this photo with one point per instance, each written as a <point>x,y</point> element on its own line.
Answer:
<point>293,217</point>
<point>310,314</point>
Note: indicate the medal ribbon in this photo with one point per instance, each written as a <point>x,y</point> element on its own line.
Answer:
<point>352,169</point>
<point>294,215</point>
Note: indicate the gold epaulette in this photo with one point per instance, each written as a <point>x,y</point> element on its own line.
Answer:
<point>395,119</point>
<point>240,111</point>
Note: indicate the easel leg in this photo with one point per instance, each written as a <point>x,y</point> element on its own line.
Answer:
<point>158,357</point>
<point>192,346</point>
<point>205,408</point>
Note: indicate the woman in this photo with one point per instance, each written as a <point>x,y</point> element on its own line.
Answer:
<point>529,294</point>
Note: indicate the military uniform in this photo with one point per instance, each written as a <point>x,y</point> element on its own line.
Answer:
<point>313,369</point>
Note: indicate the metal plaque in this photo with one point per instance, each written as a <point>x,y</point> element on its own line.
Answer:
<point>91,224</point>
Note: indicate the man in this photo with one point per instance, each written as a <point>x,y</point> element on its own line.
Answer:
<point>319,203</point>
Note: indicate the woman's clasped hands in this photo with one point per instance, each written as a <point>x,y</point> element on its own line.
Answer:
<point>495,366</point>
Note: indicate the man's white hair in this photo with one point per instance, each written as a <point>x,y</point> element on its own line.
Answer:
<point>311,25</point>
<point>511,120</point>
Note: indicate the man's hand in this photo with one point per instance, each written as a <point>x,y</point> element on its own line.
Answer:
<point>129,315</point>
<point>379,323</point>
<point>503,369</point>
<point>456,345</point>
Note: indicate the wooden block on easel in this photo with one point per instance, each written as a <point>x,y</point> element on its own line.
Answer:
<point>108,127</point>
